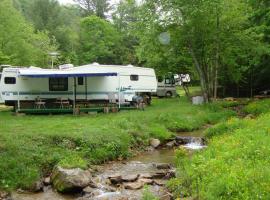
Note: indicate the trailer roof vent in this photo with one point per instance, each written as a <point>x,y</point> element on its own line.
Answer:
<point>130,65</point>
<point>66,66</point>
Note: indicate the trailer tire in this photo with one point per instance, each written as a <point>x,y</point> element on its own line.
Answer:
<point>168,94</point>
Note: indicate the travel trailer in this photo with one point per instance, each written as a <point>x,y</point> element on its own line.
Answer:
<point>22,87</point>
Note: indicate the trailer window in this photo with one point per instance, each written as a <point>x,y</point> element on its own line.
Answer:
<point>58,84</point>
<point>10,80</point>
<point>168,81</point>
<point>80,80</point>
<point>134,77</point>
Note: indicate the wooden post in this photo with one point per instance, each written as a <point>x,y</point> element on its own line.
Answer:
<point>74,95</point>
<point>119,91</point>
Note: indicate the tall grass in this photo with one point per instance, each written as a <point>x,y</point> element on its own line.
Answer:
<point>234,166</point>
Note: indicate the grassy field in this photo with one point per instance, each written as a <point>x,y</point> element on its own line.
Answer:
<point>236,163</point>
<point>30,146</point>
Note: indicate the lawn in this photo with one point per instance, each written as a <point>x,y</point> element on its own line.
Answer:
<point>30,146</point>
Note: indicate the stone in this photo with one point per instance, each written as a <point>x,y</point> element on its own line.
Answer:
<point>36,186</point>
<point>115,179</point>
<point>249,116</point>
<point>163,165</point>
<point>171,144</point>
<point>170,174</point>
<point>159,175</point>
<point>88,189</point>
<point>47,181</point>
<point>146,175</point>
<point>70,180</point>
<point>146,181</point>
<point>3,195</point>
<point>154,142</point>
<point>130,178</point>
<point>149,149</point>
<point>133,186</point>
<point>183,140</point>
<point>160,182</point>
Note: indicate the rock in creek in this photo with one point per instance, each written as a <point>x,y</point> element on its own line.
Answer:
<point>4,196</point>
<point>70,180</point>
<point>133,186</point>
<point>47,181</point>
<point>160,182</point>
<point>146,181</point>
<point>36,186</point>
<point>154,142</point>
<point>130,178</point>
<point>171,144</point>
<point>183,140</point>
<point>163,165</point>
<point>115,179</point>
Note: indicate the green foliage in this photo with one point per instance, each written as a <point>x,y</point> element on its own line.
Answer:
<point>147,195</point>
<point>16,32</point>
<point>234,165</point>
<point>30,146</point>
<point>258,107</point>
<point>98,41</point>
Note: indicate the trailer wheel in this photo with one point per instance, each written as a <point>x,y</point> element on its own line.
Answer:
<point>168,94</point>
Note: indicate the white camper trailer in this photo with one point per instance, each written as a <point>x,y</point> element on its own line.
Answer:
<point>21,87</point>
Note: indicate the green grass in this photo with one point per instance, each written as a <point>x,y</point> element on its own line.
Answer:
<point>234,166</point>
<point>258,107</point>
<point>30,146</point>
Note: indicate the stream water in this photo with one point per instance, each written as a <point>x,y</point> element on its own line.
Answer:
<point>142,164</point>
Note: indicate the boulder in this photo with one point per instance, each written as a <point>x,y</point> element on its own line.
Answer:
<point>133,186</point>
<point>154,142</point>
<point>163,165</point>
<point>130,178</point>
<point>70,180</point>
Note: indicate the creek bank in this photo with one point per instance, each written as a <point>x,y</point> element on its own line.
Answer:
<point>119,179</point>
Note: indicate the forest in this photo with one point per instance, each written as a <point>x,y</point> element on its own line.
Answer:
<point>223,44</point>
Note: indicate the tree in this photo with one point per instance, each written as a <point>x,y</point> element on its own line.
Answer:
<point>61,23</point>
<point>217,34</point>
<point>19,44</point>
<point>124,19</point>
<point>99,41</point>
<point>96,7</point>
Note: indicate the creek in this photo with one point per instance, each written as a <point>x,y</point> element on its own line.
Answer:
<point>145,166</point>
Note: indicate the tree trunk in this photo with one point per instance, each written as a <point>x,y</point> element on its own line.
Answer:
<point>201,74</point>
<point>217,59</point>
